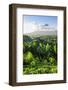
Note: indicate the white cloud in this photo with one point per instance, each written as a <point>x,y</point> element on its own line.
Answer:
<point>30,27</point>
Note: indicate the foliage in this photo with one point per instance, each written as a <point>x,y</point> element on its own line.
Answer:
<point>40,55</point>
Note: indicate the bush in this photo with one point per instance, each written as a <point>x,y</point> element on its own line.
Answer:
<point>28,57</point>
<point>33,63</point>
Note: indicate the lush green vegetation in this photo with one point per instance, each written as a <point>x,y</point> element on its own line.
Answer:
<point>40,54</point>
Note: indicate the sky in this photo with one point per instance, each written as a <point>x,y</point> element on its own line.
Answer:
<point>32,22</point>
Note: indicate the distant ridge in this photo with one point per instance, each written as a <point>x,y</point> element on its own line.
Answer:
<point>41,33</point>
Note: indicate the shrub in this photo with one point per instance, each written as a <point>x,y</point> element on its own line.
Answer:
<point>28,57</point>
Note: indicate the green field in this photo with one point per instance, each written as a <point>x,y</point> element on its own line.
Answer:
<point>39,54</point>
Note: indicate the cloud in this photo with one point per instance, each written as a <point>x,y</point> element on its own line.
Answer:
<point>30,27</point>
